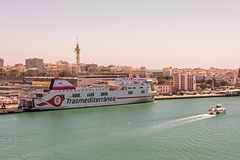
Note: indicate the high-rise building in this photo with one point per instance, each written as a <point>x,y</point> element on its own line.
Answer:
<point>1,62</point>
<point>239,73</point>
<point>184,82</point>
<point>34,63</point>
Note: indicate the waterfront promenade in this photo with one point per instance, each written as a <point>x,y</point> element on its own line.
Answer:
<point>161,97</point>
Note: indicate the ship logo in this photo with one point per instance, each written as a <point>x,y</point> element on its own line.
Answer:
<point>56,101</point>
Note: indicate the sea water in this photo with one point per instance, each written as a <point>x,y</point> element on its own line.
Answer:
<point>164,129</point>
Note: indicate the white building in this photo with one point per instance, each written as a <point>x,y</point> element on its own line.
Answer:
<point>208,77</point>
<point>162,88</point>
<point>167,72</point>
<point>74,69</point>
<point>218,79</point>
<point>200,78</point>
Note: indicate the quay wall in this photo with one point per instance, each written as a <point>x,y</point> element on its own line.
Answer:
<point>193,96</point>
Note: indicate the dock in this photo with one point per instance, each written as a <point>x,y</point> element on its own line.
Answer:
<point>11,109</point>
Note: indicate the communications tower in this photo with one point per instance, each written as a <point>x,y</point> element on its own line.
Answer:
<point>77,50</point>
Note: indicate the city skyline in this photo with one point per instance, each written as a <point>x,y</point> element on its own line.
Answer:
<point>154,34</point>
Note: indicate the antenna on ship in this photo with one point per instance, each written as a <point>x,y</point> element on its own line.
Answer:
<point>77,50</point>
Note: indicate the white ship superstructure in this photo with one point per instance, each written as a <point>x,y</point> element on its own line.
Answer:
<point>63,95</point>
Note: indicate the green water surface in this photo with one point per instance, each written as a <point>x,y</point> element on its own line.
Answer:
<point>166,129</point>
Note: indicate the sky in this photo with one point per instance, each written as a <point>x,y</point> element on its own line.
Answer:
<point>151,33</point>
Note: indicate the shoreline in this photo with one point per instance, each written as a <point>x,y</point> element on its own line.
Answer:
<point>192,96</point>
<point>13,108</point>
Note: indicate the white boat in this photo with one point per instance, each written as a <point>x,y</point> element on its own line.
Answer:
<point>218,109</point>
<point>63,95</point>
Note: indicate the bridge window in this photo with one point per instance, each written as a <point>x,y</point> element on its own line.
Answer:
<point>39,95</point>
<point>130,92</point>
<point>104,93</point>
<point>76,95</point>
<point>90,94</point>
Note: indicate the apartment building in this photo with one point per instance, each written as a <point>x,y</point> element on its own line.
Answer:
<point>34,63</point>
<point>184,82</point>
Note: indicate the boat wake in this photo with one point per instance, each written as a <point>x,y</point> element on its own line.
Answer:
<point>134,132</point>
<point>181,121</point>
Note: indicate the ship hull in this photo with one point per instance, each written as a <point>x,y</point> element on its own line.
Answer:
<point>88,98</point>
<point>84,107</point>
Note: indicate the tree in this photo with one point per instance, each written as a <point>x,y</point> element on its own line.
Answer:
<point>62,74</point>
<point>3,73</point>
<point>209,81</point>
<point>203,85</point>
<point>167,77</point>
<point>216,84</point>
<point>23,73</point>
<point>223,83</point>
<point>13,74</point>
<point>43,74</point>
<point>160,80</point>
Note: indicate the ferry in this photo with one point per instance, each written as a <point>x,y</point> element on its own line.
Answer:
<point>63,95</point>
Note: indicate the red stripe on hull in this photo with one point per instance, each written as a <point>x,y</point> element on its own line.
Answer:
<point>37,110</point>
<point>133,97</point>
<point>42,104</point>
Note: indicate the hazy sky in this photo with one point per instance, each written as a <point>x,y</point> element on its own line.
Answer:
<point>153,33</point>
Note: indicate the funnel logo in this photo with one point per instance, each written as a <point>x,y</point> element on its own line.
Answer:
<point>55,101</point>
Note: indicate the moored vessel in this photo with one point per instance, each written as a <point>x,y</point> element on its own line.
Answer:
<point>63,95</point>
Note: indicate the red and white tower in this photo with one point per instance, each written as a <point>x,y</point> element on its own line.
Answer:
<point>77,50</point>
